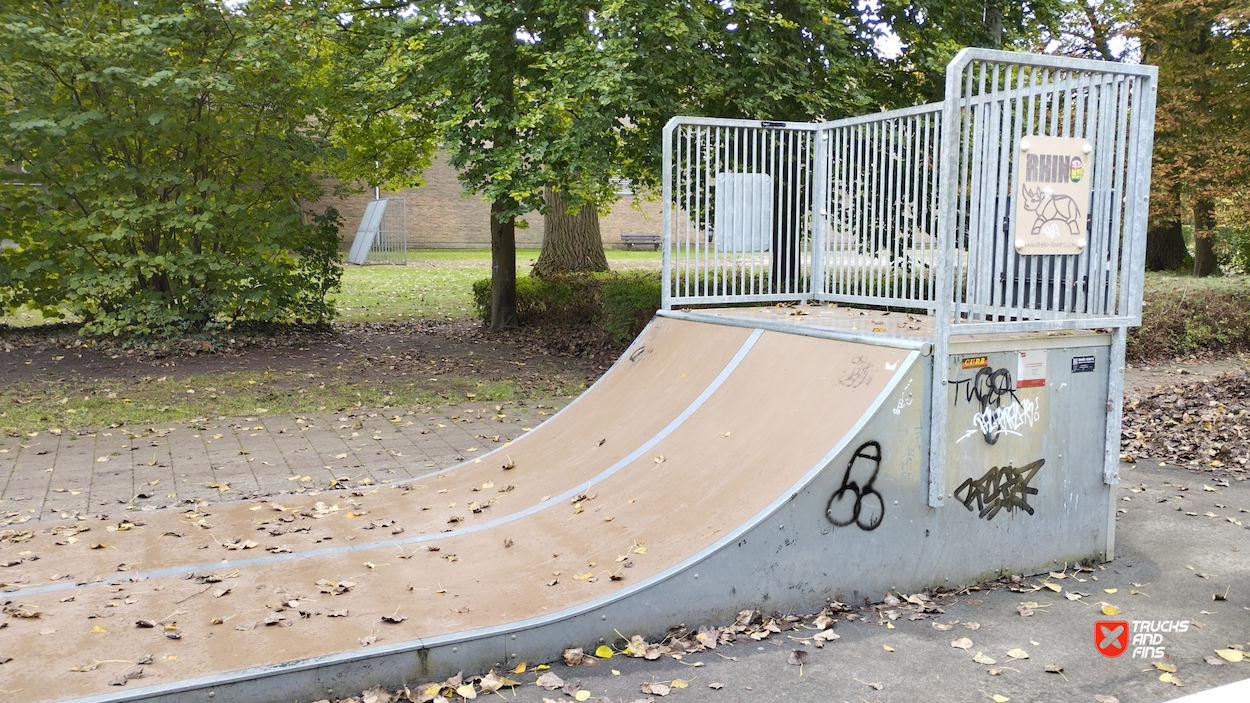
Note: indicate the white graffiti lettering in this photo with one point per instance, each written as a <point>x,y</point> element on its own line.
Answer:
<point>904,400</point>
<point>1008,419</point>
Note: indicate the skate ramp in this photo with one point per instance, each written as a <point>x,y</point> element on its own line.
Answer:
<point>632,507</point>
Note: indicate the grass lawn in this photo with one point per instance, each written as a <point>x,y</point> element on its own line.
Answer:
<point>436,284</point>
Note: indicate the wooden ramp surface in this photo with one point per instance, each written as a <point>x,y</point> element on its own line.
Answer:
<point>695,431</point>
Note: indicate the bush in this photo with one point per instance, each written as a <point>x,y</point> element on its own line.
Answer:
<point>1183,316</point>
<point>163,189</point>
<point>619,303</point>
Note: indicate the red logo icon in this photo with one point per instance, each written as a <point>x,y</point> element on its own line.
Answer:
<point>1111,637</point>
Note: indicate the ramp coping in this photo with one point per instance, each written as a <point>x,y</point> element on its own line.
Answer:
<point>918,345</point>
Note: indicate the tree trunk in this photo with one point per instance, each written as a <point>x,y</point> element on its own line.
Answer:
<point>502,269</point>
<point>994,23</point>
<point>1204,238</point>
<point>1165,245</point>
<point>571,243</point>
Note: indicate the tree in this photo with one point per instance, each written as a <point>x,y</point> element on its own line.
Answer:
<point>933,31</point>
<point>515,87</point>
<point>175,146</point>
<point>1092,29</point>
<point>571,241</point>
<point>1202,130</point>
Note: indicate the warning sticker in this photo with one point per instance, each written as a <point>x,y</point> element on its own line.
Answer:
<point>1031,372</point>
<point>1082,364</point>
<point>975,362</point>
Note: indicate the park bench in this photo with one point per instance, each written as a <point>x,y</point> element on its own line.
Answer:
<point>629,239</point>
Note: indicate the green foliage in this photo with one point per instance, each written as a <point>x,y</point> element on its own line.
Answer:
<point>621,303</point>
<point>933,31</point>
<point>170,146</point>
<point>629,303</point>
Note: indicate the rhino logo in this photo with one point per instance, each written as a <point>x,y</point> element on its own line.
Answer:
<point>1057,215</point>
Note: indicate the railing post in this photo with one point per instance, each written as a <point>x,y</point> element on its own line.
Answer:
<point>820,214</point>
<point>948,189</point>
<point>666,190</point>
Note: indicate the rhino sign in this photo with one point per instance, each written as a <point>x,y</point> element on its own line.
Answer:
<point>1053,198</point>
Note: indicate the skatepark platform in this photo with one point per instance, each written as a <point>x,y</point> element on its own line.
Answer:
<point>947,410</point>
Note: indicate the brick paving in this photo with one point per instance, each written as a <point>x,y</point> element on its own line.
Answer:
<point>56,474</point>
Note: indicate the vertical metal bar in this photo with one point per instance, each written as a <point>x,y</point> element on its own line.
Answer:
<point>878,204</point>
<point>1013,265</point>
<point>1138,205</point>
<point>952,131</point>
<point>1115,406</point>
<point>820,216</point>
<point>929,192</point>
<point>910,165</point>
<point>1099,164</point>
<point>1082,275</point>
<point>666,216</point>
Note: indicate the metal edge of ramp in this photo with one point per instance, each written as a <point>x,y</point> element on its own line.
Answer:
<point>674,591</point>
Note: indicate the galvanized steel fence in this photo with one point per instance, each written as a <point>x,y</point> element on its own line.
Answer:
<point>896,209</point>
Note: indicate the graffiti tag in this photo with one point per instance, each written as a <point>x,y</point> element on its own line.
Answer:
<point>859,374</point>
<point>1005,488</point>
<point>854,502</point>
<point>993,390</point>
<point>992,422</point>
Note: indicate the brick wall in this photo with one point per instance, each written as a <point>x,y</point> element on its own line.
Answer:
<point>439,217</point>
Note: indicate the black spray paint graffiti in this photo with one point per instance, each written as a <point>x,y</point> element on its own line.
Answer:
<point>854,502</point>
<point>1005,488</point>
<point>639,354</point>
<point>995,392</point>
<point>859,374</point>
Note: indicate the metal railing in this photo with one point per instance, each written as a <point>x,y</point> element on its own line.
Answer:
<point>737,211</point>
<point>895,209</point>
<point>996,102</point>
<point>879,209</point>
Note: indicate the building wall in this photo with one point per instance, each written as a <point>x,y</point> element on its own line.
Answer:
<point>440,217</point>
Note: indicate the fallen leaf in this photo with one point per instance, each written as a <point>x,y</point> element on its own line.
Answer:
<point>682,683</point>
<point>1053,586</point>
<point>604,652</point>
<point>1231,655</point>
<point>961,643</point>
<point>797,658</point>
<point>716,686</point>
<point>122,678</point>
<point>1054,669</point>
<point>1110,590</point>
<point>887,648</point>
<point>941,627</point>
<point>1106,699</point>
<point>1000,699</point>
<point>983,659</point>
<point>1108,609</point>
<point>466,691</point>
<point>550,681</point>
<point>581,695</point>
<point>1018,654</point>
<point>655,689</point>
